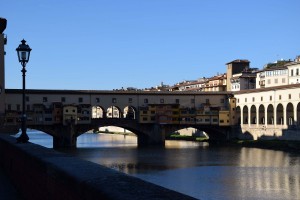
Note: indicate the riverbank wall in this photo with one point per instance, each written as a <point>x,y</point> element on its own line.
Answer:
<point>41,173</point>
<point>270,133</point>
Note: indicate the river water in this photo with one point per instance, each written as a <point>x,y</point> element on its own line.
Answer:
<point>192,168</point>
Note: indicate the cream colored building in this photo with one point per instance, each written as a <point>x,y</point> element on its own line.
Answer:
<point>269,112</point>
<point>294,72</point>
<point>273,76</point>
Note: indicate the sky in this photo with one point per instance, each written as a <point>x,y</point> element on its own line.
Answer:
<point>110,44</point>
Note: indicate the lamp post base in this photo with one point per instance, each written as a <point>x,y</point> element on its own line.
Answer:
<point>23,138</point>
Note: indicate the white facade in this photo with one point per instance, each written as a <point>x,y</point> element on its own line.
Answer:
<point>294,72</point>
<point>273,113</point>
<point>272,77</point>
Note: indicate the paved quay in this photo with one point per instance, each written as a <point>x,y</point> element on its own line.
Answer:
<point>7,190</point>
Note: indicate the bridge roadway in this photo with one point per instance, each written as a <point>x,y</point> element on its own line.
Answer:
<point>147,133</point>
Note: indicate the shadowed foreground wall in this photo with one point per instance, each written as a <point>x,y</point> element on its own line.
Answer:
<point>41,173</point>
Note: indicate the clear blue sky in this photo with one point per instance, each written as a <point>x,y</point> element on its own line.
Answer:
<point>109,44</point>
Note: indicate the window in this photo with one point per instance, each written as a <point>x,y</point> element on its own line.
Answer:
<point>145,100</point>
<point>253,99</point>
<point>279,97</point>
<point>45,99</point>
<point>245,99</point>
<point>28,107</point>
<point>114,100</point>
<point>130,100</point>
<point>18,107</point>
<point>270,98</point>
<point>80,99</point>
<point>177,101</point>
<point>297,72</point>
<point>9,107</point>
<point>207,101</point>
<point>283,80</point>
<point>145,112</point>
<point>276,80</point>
<point>292,72</point>
<point>238,100</point>
<point>269,81</point>
<point>162,100</point>
<point>27,98</point>
<point>63,99</point>
<point>290,96</point>
<point>261,98</point>
<point>192,100</point>
<point>97,100</point>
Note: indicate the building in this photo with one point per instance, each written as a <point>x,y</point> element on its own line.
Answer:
<point>244,80</point>
<point>272,75</point>
<point>293,71</point>
<point>235,67</point>
<point>216,84</point>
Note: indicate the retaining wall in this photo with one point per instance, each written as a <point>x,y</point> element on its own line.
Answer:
<point>41,173</point>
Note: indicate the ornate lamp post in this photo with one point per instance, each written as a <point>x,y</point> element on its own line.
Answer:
<point>23,51</point>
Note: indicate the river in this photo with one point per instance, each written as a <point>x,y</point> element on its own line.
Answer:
<point>192,168</point>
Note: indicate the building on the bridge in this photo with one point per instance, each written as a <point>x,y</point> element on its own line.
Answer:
<point>206,113</point>
<point>70,114</point>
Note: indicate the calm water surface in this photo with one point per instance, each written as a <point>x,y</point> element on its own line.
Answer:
<point>193,168</point>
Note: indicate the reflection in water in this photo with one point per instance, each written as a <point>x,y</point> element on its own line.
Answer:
<point>194,168</point>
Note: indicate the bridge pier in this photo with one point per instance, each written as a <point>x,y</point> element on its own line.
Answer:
<point>66,136</point>
<point>152,135</point>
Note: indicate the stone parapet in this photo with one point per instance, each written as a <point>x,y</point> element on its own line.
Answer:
<point>41,173</point>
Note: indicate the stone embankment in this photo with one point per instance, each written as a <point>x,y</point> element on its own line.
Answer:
<point>41,173</point>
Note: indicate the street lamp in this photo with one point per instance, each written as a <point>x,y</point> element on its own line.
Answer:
<point>23,51</point>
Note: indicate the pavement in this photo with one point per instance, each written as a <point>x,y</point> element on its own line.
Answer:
<point>7,190</point>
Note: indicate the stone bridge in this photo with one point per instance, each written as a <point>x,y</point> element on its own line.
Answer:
<point>147,134</point>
